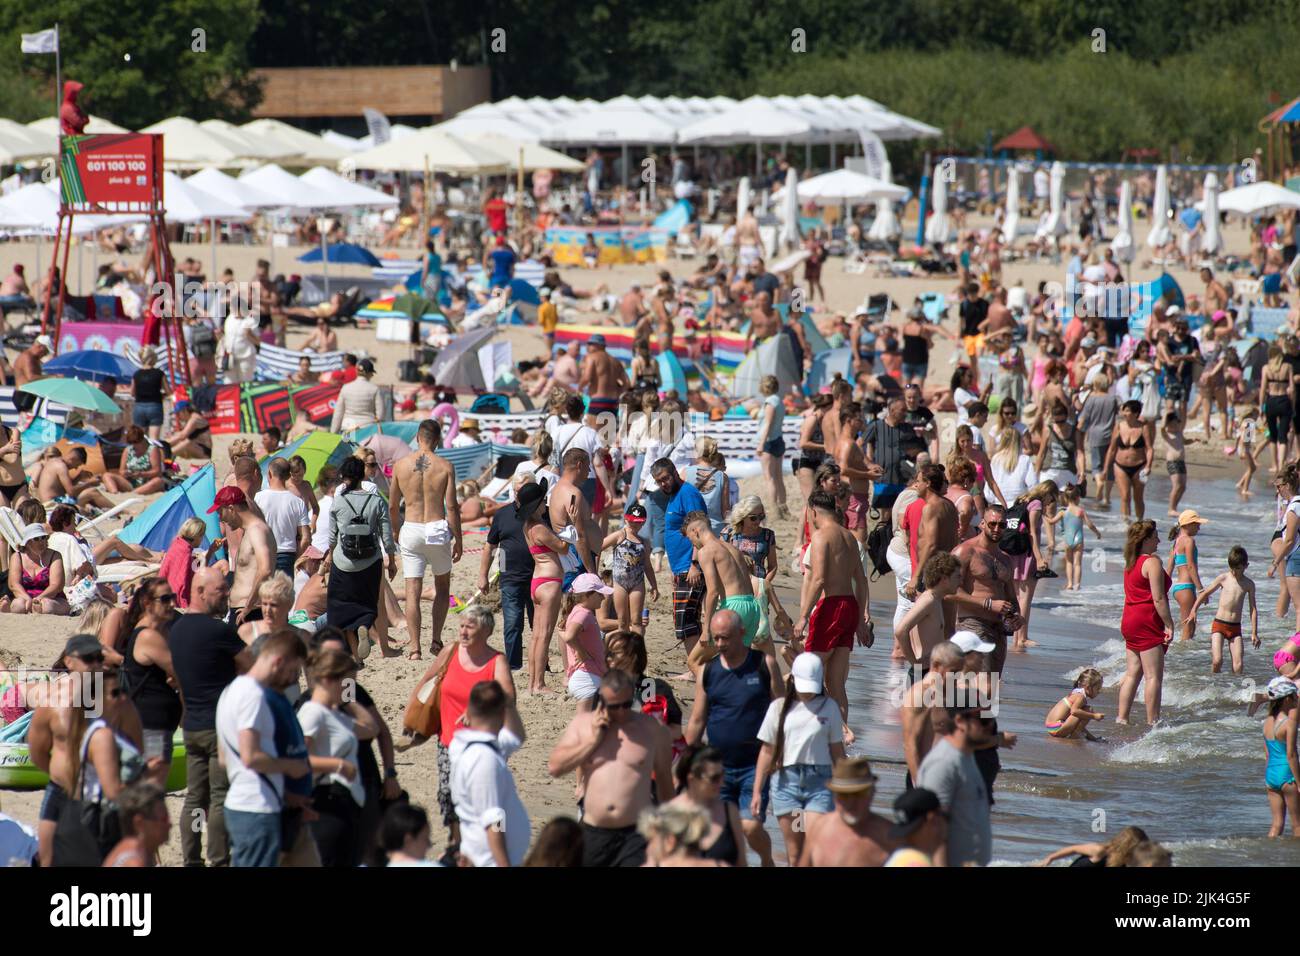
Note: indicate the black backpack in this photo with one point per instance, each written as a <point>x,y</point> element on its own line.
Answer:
<point>357,537</point>
<point>1015,536</point>
<point>203,341</point>
<point>878,548</point>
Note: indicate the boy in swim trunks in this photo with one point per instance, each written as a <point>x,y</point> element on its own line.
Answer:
<point>725,573</point>
<point>835,603</point>
<point>1227,619</point>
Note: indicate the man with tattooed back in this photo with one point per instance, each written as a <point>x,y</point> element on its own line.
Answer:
<point>428,530</point>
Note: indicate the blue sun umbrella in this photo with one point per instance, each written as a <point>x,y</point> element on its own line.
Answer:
<point>92,365</point>
<point>343,253</point>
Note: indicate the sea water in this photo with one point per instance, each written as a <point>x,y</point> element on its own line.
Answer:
<point>1194,782</point>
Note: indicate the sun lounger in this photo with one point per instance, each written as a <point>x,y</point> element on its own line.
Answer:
<point>93,524</point>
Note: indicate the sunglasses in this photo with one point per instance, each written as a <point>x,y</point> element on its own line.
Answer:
<point>165,598</point>
<point>715,777</point>
<point>758,517</point>
<point>994,524</point>
<point>625,705</point>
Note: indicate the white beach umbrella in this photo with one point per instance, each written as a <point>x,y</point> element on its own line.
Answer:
<point>885,227</point>
<point>1212,237</point>
<point>530,129</point>
<point>1122,245</point>
<point>188,203</point>
<point>434,149</point>
<point>263,146</point>
<point>1258,199</point>
<point>22,144</point>
<point>344,193</point>
<point>846,185</point>
<point>938,229</point>
<point>189,145</point>
<point>96,124</point>
<point>1055,224</point>
<point>1011,221</point>
<point>231,190</point>
<point>294,193</point>
<point>311,148</point>
<point>1160,233</point>
<point>534,155</point>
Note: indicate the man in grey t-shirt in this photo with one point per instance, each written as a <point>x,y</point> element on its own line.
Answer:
<point>1097,421</point>
<point>949,771</point>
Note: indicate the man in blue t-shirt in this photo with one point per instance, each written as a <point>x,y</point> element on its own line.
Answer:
<point>732,695</point>
<point>688,578</point>
<point>501,263</point>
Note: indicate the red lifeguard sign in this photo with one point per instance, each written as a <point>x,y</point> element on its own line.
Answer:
<point>120,173</point>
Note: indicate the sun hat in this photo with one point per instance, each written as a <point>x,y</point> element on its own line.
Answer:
<point>1280,687</point>
<point>1189,516</point>
<point>529,498</point>
<point>588,583</point>
<point>33,532</point>
<point>851,775</point>
<point>807,673</point>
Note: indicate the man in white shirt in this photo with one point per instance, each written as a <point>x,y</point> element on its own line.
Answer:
<point>575,433</point>
<point>359,403</point>
<point>286,514</point>
<point>246,736</point>
<point>494,828</point>
<point>241,344</point>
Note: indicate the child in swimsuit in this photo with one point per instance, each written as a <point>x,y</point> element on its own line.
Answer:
<point>1286,661</point>
<point>1070,716</point>
<point>631,569</point>
<point>1175,459</point>
<point>1226,629</point>
<point>1072,518</point>
<point>1183,569</point>
<point>1245,449</point>
<point>1281,770</point>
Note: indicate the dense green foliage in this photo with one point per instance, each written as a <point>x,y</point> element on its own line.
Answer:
<point>1192,76</point>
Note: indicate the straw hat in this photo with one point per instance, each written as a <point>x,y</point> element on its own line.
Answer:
<point>1190,517</point>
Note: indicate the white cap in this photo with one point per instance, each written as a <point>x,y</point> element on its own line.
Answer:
<point>1173,310</point>
<point>46,341</point>
<point>969,641</point>
<point>807,673</point>
<point>34,531</point>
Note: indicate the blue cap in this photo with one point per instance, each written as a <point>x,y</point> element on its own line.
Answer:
<point>180,406</point>
<point>597,339</point>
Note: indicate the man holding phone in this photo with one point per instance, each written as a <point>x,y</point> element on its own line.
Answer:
<point>688,577</point>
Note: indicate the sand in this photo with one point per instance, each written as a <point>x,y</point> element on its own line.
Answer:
<point>36,641</point>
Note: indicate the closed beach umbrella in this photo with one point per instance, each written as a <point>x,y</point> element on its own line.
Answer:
<point>885,226</point>
<point>790,238</point>
<point>1160,233</point>
<point>742,198</point>
<point>1011,222</point>
<point>1055,225</point>
<point>938,229</point>
<point>1212,238</point>
<point>1122,244</point>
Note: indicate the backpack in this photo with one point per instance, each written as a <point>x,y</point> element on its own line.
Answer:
<point>1015,537</point>
<point>558,450</point>
<point>358,539</point>
<point>203,341</point>
<point>878,548</point>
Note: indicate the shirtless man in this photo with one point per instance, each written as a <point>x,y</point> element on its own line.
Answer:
<point>924,622</point>
<point>632,306</point>
<point>581,556</point>
<point>854,469</point>
<point>27,367</point>
<point>1000,321</point>
<point>835,603</point>
<point>47,735</point>
<point>765,321</point>
<point>564,371</point>
<point>852,835</point>
<point>937,530</point>
<point>986,601</point>
<point>428,531</point>
<point>615,748</point>
<point>603,378</point>
<point>255,557</point>
<point>1216,296</point>
<point>727,585</point>
<point>921,709</point>
<point>57,482</point>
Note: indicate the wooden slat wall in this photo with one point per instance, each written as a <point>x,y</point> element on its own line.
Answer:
<point>303,92</point>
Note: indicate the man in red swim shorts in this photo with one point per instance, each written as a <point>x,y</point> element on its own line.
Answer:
<point>835,605</point>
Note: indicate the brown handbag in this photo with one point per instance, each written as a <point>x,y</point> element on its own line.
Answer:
<point>424,710</point>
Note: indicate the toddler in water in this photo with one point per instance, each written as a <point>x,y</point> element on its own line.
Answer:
<point>1072,518</point>
<point>1226,628</point>
<point>1175,460</point>
<point>1245,448</point>
<point>1069,716</point>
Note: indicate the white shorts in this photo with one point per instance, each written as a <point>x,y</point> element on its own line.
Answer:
<point>583,685</point>
<point>425,545</point>
<point>1060,476</point>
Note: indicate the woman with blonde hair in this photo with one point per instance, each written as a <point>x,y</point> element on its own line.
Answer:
<point>275,597</point>
<point>147,387</point>
<point>711,481</point>
<point>1027,511</point>
<point>1013,470</point>
<point>770,445</point>
<point>1116,852</point>
<point>673,834</point>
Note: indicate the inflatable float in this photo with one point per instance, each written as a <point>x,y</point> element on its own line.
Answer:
<point>17,772</point>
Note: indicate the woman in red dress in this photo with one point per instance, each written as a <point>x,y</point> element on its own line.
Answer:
<point>1147,625</point>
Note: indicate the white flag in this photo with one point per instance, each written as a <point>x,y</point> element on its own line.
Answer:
<point>47,41</point>
<point>873,151</point>
<point>380,130</point>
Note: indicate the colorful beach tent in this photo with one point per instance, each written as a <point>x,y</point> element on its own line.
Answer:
<point>403,430</point>
<point>160,523</point>
<point>457,365</point>
<point>775,356</point>
<point>825,365</point>
<point>317,449</point>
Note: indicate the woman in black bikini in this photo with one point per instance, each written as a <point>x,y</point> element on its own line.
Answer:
<point>13,480</point>
<point>193,439</point>
<point>812,443</point>
<point>1132,449</point>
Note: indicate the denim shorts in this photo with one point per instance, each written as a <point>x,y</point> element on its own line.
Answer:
<point>802,787</point>
<point>1097,457</point>
<point>738,788</point>
<point>1293,564</point>
<point>775,447</point>
<point>915,371</point>
<point>147,413</point>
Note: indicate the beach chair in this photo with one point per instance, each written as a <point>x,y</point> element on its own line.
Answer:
<point>85,524</point>
<point>683,248</point>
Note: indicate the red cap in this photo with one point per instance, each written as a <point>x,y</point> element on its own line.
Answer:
<point>226,497</point>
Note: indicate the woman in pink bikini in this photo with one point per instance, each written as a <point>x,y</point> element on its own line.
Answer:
<point>36,577</point>
<point>548,577</point>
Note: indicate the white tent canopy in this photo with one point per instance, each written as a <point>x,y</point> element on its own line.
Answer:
<point>535,156</point>
<point>750,121</point>
<point>494,124</point>
<point>311,148</point>
<point>264,146</point>
<point>344,192</point>
<point>439,151</point>
<point>35,208</point>
<point>627,124</point>
<point>342,141</point>
<point>188,203</point>
<point>293,192</point>
<point>96,124</point>
<point>189,145</point>
<point>233,191</point>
